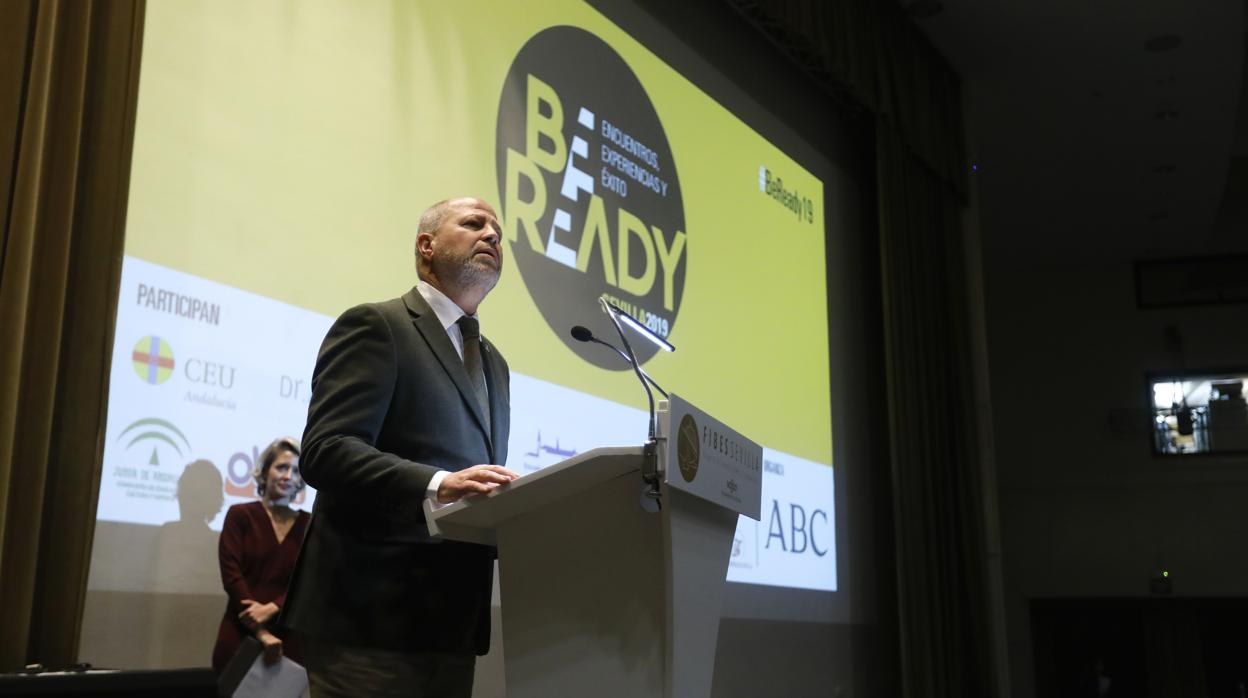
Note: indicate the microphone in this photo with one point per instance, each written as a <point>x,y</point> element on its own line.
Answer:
<point>652,490</point>
<point>583,334</point>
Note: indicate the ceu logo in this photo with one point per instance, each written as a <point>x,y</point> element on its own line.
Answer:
<point>688,448</point>
<point>589,190</point>
<point>159,434</point>
<point>153,359</point>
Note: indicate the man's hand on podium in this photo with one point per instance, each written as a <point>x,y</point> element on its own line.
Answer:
<point>479,479</point>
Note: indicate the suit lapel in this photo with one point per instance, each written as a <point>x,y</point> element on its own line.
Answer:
<point>500,400</point>
<point>431,329</point>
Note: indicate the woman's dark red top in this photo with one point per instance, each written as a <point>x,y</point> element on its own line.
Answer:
<point>254,566</point>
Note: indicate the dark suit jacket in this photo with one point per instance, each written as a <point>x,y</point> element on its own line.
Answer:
<point>391,405</point>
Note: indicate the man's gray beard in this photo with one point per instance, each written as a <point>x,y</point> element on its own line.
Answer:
<point>468,274</point>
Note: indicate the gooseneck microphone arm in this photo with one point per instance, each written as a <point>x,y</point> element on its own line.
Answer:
<point>583,334</point>
<point>632,360</point>
<point>650,452</point>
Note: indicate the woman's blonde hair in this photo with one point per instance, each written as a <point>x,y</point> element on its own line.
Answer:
<point>260,471</point>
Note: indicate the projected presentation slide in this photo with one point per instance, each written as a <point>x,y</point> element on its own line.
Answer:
<point>277,180</point>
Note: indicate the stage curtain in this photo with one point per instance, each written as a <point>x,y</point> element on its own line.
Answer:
<point>868,52</point>
<point>68,91</point>
<point>938,501</point>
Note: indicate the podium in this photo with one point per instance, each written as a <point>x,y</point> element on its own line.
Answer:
<point>602,595</point>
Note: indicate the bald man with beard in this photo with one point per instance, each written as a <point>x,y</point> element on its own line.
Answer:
<point>409,402</point>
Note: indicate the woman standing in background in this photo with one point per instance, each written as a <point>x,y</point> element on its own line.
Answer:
<point>257,550</point>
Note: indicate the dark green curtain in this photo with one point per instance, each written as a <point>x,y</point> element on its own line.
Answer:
<point>938,501</point>
<point>869,52</point>
<point>68,91</point>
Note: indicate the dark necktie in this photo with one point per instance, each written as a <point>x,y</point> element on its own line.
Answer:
<point>471,331</point>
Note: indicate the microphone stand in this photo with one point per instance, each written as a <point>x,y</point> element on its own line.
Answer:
<point>650,452</point>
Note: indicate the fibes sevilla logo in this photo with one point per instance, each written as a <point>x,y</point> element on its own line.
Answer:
<point>688,448</point>
<point>590,195</point>
<point>153,359</point>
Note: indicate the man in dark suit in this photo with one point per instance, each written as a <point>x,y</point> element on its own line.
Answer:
<point>408,402</point>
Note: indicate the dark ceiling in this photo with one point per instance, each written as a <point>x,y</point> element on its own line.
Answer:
<point>1104,130</point>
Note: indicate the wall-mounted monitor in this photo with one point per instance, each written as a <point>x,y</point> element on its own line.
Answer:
<point>1199,412</point>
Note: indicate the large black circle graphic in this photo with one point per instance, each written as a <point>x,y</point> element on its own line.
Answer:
<point>590,195</point>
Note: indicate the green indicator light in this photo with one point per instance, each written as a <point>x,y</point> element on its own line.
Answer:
<point>1165,573</point>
